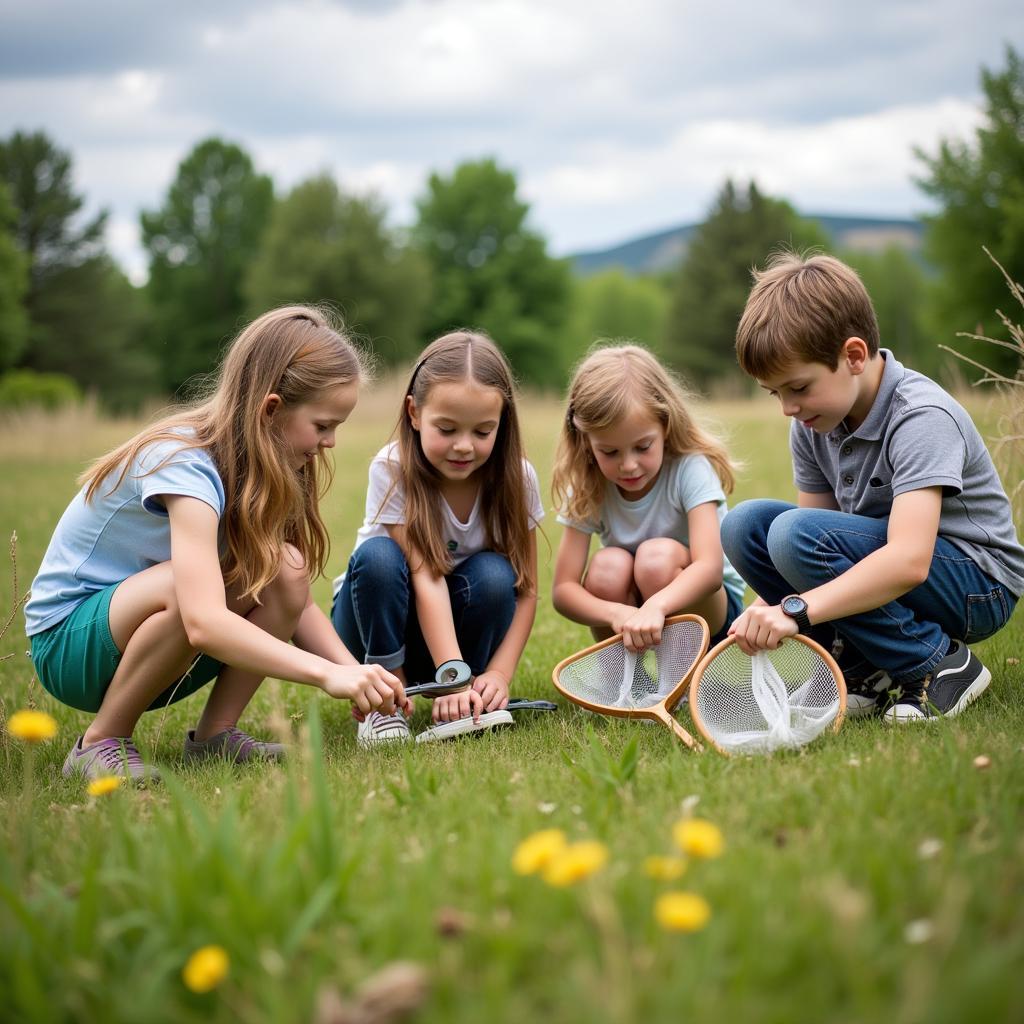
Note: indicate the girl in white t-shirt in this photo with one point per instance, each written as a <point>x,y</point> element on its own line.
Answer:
<point>445,564</point>
<point>634,467</point>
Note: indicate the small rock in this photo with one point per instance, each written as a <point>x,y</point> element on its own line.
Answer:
<point>982,763</point>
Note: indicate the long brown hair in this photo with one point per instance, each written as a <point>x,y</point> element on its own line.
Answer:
<point>454,358</point>
<point>607,386</point>
<point>295,352</point>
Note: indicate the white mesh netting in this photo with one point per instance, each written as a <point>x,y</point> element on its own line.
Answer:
<point>616,678</point>
<point>780,698</point>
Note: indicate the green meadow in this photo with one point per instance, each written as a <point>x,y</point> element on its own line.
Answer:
<point>877,875</point>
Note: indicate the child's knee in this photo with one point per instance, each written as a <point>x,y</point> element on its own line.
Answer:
<point>657,562</point>
<point>494,581</point>
<point>378,560</point>
<point>291,585</point>
<point>610,574</point>
<point>746,521</point>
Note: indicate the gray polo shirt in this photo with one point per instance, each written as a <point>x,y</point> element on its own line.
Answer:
<point>916,435</point>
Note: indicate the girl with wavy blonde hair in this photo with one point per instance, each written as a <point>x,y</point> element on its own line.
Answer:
<point>445,564</point>
<point>189,551</point>
<point>636,468</point>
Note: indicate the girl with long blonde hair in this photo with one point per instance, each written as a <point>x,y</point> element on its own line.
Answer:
<point>445,564</point>
<point>636,468</point>
<point>188,553</point>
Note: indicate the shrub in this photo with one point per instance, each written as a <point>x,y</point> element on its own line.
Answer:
<point>23,389</point>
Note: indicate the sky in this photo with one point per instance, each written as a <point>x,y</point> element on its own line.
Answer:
<point>618,119</point>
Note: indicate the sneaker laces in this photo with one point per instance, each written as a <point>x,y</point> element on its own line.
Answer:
<point>240,743</point>
<point>383,724</point>
<point>120,754</point>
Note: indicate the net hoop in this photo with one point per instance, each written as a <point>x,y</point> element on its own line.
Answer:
<point>701,668</point>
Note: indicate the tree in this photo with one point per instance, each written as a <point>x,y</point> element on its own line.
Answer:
<point>980,188</point>
<point>84,318</point>
<point>899,290</point>
<point>491,271</point>
<point>617,305</point>
<point>323,246</point>
<point>714,279</point>
<point>13,287</point>
<point>200,244</point>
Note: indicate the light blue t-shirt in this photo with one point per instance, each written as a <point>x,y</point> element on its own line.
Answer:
<point>118,534</point>
<point>685,481</point>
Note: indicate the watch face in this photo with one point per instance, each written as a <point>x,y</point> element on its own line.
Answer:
<point>794,605</point>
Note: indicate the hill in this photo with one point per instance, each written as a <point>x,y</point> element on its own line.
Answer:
<point>661,251</point>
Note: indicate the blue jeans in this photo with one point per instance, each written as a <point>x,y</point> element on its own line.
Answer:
<point>375,610</point>
<point>780,549</point>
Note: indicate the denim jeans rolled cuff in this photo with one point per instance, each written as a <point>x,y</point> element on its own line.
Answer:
<point>780,549</point>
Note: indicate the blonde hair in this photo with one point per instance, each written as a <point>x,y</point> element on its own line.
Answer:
<point>455,358</point>
<point>611,382</point>
<point>803,309</point>
<point>295,352</point>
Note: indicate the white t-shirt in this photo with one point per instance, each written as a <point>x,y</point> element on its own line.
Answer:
<point>685,481</point>
<point>463,539</point>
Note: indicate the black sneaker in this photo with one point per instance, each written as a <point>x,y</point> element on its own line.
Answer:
<point>954,682</point>
<point>864,694</point>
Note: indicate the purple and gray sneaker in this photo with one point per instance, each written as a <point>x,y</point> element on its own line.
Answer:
<point>115,756</point>
<point>232,745</point>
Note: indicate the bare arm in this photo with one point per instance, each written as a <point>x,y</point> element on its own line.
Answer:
<point>568,594</point>
<point>214,629</point>
<point>901,564</point>
<point>433,603</point>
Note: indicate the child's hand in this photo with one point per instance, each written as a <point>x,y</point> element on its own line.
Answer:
<point>458,705</point>
<point>621,614</point>
<point>762,628</point>
<point>493,689</point>
<point>369,687</point>
<point>643,629</point>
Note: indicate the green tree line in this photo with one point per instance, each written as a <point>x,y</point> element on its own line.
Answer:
<point>224,245</point>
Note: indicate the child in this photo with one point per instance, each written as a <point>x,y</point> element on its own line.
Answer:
<point>445,564</point>
<point>199,536</point>
<point>635,468</point>
<point>903,537</point>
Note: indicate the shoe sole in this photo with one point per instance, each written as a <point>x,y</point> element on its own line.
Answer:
<point>489,721</point>
<point>856,709</point>
<point>972,693</point>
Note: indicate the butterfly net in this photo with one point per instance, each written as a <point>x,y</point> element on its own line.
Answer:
<point>776,699</point>
<point>616,678</point>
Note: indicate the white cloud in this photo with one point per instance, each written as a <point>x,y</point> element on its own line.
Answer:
<point>617,118</point>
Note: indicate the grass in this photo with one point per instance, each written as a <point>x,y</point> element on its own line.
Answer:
<point>875,876</point>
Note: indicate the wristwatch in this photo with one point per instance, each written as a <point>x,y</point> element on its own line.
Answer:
<point>796,608</point>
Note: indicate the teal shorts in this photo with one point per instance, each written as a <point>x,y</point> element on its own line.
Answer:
<point>76,659</point>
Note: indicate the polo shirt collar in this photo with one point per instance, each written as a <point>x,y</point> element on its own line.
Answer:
<point>878,415</point>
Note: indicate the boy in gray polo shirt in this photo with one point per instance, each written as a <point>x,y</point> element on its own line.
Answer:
<point>902,539</point>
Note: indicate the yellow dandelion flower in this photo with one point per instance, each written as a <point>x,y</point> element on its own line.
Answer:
<point>32,726</point>
<point>664,869</point>
<point>104,784</point>
<point>206,969</point>
<point>535,852</point>
<point>682,911</point>
<point>576,862</point>
<point>698,838</point>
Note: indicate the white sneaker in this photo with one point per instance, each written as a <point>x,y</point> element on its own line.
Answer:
<point>461,726</point>
<point>379,730</point>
